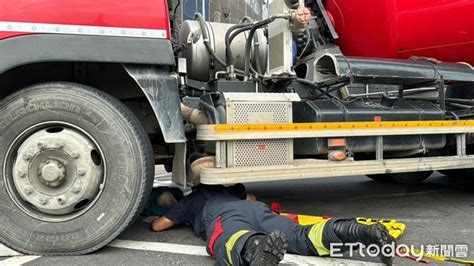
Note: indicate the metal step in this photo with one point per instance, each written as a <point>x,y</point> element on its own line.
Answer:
<point>305,169</point>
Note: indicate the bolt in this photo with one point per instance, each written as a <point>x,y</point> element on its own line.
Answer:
<point>59,145</point>
<point>42,145</point>
<point>61,200</point>
<point>27,156</point>
<point>81,171</point>
<point>76,189</point>
<point>43,201</point>
<point>21,174</point>
<point>28,190</point>
<point>75,155</point>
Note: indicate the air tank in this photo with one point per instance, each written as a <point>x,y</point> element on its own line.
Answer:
<point>441,29</point>
<point>198,59</point>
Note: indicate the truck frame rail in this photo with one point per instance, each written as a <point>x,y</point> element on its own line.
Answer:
<point>312,168</point>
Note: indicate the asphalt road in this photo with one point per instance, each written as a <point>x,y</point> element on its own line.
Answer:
<point>439,211</point>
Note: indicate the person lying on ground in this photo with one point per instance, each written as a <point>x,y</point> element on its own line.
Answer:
<point>239,230</point>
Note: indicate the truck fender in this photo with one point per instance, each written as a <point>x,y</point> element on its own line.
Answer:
<point>161,90</point>
<point>38,48</point>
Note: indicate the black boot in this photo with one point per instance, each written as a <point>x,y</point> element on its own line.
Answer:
<point>350,231</point>
<point>265,249</point>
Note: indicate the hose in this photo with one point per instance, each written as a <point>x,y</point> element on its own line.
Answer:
<point>311,84</point>
<point>309,38</point>
<point>229,37</point>
<point>231,34</point>
<point>246,18</point>
<point>205,34</point>
<point>248,44</point>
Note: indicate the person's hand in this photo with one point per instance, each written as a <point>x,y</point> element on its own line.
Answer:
<point>251,196</point>
<point>150,219</point>
<point>161,224</point>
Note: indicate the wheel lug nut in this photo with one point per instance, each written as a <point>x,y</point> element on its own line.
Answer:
<point>21,174</point>
<point>76,189</point>
<point>27,156</point>
<point>75,155</point>
<point>81,171</point>
<point>42,145</point>
<point>43,201</point>
<point>59,145</point>
<point>61,200</point>
<point>28,190</point>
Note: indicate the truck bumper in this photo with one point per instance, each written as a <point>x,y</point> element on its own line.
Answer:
<point>304,169</point>
<point>301,169</point>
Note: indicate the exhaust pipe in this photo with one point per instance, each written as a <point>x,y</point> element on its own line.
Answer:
<point>201,163</point>
<point>332,69</point>
<point>194,116</point>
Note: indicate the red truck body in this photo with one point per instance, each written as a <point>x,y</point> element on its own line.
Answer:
<point>143,14</point>
<point>442,29</point>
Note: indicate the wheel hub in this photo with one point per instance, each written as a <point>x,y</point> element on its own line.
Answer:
<point>52,173</point>
<point>58,171</point>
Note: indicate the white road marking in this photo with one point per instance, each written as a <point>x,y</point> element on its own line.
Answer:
<point>11,26</point>
<point>19,260</point>
<point>201,251</point>
<point>161,247</point>
<point>8,252</point>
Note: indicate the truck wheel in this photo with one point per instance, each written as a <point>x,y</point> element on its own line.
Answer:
<point>411,178</point>
<point>458,173</point>
<point>380,177</point>
<point>76,168</point>
<point>404,178</point>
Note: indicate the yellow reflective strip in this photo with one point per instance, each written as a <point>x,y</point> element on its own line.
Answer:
<point>342,126</point>
<point>316,237</point>
<point>231,243</point>
<point>395,228</point>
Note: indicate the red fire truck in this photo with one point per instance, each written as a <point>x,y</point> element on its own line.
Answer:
<point>93,94</point>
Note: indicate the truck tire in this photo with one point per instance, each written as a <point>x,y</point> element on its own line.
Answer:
<point>403,178</point>
<point>381,177</point>
<point>458,173</point>
<point>411,178</point>
<point>76,169</point>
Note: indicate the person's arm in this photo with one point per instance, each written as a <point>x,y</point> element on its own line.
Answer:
<point>174,216</point>
<point>161,224</point>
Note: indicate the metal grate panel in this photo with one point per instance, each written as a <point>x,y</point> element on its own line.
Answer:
<point>261,152</point>
<point>244,153</point>
<point>257,113</point>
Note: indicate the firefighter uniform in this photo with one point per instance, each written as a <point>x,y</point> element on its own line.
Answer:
<point>230,223</point>
<point>220,216</point>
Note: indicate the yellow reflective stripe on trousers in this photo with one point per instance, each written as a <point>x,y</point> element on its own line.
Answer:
<point>231,243</point>
<point>316,237</point>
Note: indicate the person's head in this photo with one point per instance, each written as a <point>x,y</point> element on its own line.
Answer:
<point>167,200</point>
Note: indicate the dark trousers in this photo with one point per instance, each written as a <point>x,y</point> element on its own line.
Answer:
<point>241,219</point>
